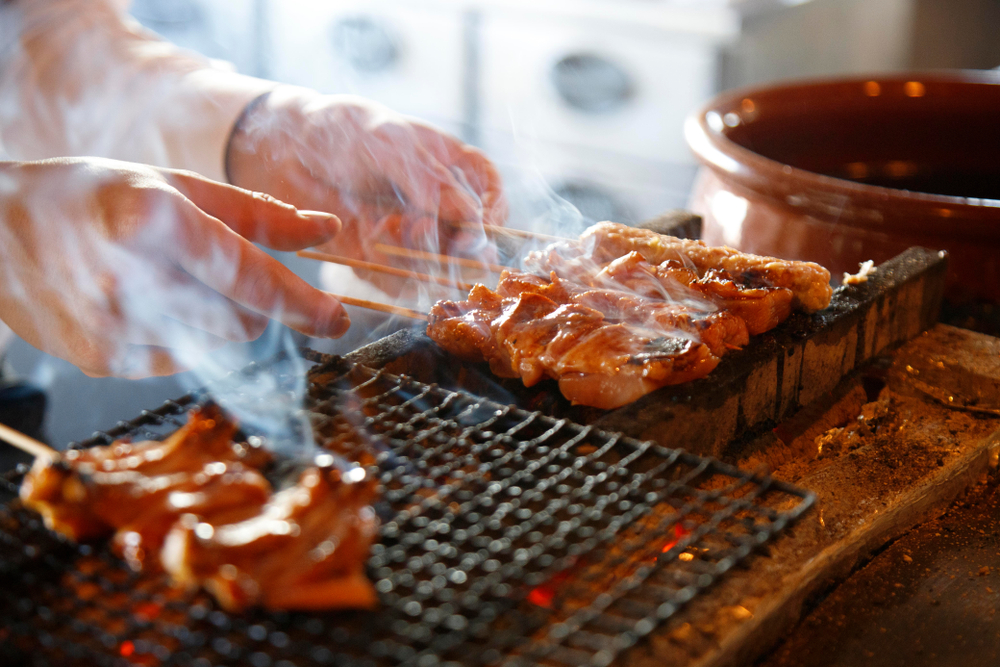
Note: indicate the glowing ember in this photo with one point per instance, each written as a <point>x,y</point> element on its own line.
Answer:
<point>544,594</point>
<point>679,533</point>
<point>148,611</point>
<point>127,648</point>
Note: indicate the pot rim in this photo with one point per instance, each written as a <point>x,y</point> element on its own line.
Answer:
<point>854,204</point>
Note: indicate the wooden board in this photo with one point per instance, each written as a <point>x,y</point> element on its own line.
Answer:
<point>869,493</point>
<point>931,599</point>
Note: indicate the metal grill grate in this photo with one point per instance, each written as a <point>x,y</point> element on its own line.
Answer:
<point>507,537</point>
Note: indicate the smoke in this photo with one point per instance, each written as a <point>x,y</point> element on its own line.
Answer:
<point>107,295</point>
<point>80,78</point>
<point>77,80</point>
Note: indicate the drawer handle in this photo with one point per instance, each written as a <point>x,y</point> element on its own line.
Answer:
<point>591,83</point>
<point>593,201</point>
<point>364,43</point>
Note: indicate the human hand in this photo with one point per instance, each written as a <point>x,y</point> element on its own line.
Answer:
<point>391,179</point>
<point>128,270</point>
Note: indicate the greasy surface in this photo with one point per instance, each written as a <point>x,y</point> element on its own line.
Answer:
<point>137,490</point>
<point>304,549</point>
<point>929,599</point>
<point>622,311</point>
<point>876,477</point>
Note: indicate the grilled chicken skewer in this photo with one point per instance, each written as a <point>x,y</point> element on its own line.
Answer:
<point>605,348</point>
<point>621,311</point>
<point>624,311</point>
<point>304,549</point>
<point>605,242</point>
<point>199,478</point>
<point>97,491</point>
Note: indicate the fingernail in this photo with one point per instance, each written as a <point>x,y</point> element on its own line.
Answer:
<point>332,222</point>
<point>338,321</point>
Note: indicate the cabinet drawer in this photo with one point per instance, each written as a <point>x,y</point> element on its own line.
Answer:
<point>601,184</point>
<point>570,80</point>
<point>408,56</point>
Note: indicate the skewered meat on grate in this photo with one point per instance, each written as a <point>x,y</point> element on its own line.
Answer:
<point>606,348</point>
<point>139,489</point>
<point>305,549</point>
<point>198,476</point>
<point>613,327</point>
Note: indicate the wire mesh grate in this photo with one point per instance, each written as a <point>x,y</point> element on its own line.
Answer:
<point>507,537</point>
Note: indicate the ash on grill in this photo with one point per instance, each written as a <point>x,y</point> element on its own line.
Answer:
<point>506,536</point>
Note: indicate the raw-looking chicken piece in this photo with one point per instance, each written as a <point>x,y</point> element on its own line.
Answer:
<point>305,549</point>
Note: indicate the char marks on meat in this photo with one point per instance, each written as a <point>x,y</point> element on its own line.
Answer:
<point>624,311</point>
<point>136,487</point>
<point>606,242</point>
<point>304,549</point>
<point>307,544</point>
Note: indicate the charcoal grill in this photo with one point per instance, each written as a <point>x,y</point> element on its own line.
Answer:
<point>507,537</point>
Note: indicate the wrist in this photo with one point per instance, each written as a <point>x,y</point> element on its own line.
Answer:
<point>263,135</point>
<point>212,100</point>
<point>236,151</point>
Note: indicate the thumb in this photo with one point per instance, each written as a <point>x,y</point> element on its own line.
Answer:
<point>256,216</point>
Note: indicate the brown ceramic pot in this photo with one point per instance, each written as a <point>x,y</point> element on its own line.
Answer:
<point>842,171</point>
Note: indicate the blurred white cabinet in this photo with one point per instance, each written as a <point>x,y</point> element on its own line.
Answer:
<point>622,88</point>
<point>222,29</point>
<point>587,95</point>
<point>593,96</point>
<point>407,55</point>
<point>593,92</point>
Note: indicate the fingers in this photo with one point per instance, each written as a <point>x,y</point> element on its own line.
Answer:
<point>233,267</point>
<point>482,176</point>
<point>194,315</point>
<point>473,171</point>
<point>432,189</point>
<point>89,335</point>
<point>134,362</point>
<point>257,216</point>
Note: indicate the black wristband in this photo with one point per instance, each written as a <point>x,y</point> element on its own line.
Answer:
<point>247,110</point>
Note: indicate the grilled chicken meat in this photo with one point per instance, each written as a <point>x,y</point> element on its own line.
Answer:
<point>605,348</point>
<point>761,307</point>
<point>304,549</point>
<point>623,311</point>
<point>606,242</point>
<point>139,489</point>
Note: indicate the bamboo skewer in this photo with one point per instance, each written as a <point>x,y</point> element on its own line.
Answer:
<point>27,444</point>
<point>382,268</point>
<point>380,307</point>
<point>508,231</point>
<point>397,251</point>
